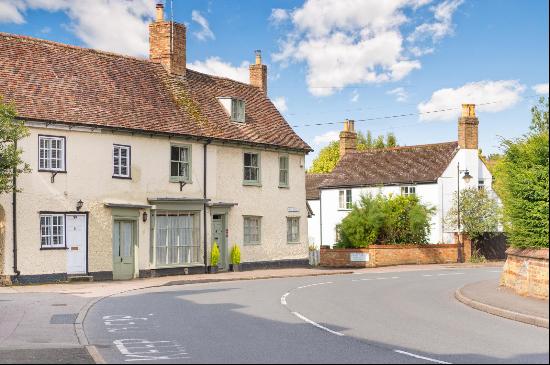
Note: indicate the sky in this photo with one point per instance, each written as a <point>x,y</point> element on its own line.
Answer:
<point>401,66</point>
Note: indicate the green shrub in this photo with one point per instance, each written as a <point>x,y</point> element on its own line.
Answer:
<point>395,219</point>
<point>235,255</point>
<point>523,176</point>
<point>215,255</point>
<point>480,213</point>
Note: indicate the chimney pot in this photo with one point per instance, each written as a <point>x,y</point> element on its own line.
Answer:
<point>258,57</point>
<point>160,12</point>
<point>469,110</point>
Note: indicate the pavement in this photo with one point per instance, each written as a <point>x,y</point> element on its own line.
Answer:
<point>46,321</point>
<point>489,297</point>
<point>365,317</point>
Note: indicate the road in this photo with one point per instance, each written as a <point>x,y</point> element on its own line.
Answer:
<point>395,317</point>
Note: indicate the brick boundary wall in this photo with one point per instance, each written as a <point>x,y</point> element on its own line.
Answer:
<point>389,255</point>
<point>526,272</point>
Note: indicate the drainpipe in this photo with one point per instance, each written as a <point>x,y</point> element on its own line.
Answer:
<point>14,219</point>
<point>205,243</point>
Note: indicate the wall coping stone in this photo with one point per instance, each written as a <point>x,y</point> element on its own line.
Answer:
<point>541,254</point>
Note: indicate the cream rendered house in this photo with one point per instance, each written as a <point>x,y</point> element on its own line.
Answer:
<point>138,166</point>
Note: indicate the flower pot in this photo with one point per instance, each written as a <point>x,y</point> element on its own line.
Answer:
<point>235,267</point>
<point>213,269</point>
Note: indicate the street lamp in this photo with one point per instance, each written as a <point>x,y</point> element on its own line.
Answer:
<point>467,178</point>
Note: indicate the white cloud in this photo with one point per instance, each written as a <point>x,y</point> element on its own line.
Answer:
<point>10,12</point>
<point>215,66</point>
<point>541,89</point>
<point>278,16</point>
<point>205,32</point>
<point>280,104</point>
<point>443,24</point>
<point>497,95</point>
<point>400,94</point>
<point>110,25</point>
<point>347,42</point>
<point>326,138</point>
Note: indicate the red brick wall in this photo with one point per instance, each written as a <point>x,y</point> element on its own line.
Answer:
<point>526,272</point>
<point>388,255</point>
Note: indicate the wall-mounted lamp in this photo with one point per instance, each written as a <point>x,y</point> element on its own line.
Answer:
<point>145,215</point>
<point>79,205</point>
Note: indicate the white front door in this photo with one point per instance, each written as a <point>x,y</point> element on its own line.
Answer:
<point>76,243</point>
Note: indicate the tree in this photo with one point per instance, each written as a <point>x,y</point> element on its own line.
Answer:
<point>11,131</point>
<point>480,213</point>
<point>329,156</point>
<point>522,175</point>
<point>394,219</point>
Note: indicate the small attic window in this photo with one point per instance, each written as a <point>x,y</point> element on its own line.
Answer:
<point>237,110</point>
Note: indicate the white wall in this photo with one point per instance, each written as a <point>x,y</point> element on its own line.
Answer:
<point>314,223</point>
<point>439,195</point>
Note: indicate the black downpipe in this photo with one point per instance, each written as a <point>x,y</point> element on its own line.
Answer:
<point>14,219</point>
<point>205,243</point>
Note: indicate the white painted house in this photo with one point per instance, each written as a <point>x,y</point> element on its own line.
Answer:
<point>430,171</point>
<point>140,165</point>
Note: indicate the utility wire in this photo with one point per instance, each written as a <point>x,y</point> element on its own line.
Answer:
<point>401,115</point>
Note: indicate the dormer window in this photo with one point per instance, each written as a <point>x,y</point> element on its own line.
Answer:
<point>237,110</point>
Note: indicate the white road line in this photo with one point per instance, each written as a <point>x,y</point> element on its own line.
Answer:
<point>427,275</point>
<point>283,298</point>
<point>316,284</point>
<point>421,357</point>
<point>395,277</point>
<point>452,273</point>
<point>316,324</point>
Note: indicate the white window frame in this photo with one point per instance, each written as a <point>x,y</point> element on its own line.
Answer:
<point>408,190</point>
<point>247,236</point>
<point>258,168</point>
<point>117,168</point>
<point>194,254</point>
<point>284,171</point>
<point>481,184</point>
<point>179,178</point>
<point>345,201</point>
<point>47,226</point>
<point>46,152</point>
<point>291,235</point>
<point>238,110</point>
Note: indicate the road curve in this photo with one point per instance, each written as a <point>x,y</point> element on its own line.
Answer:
<point>394,317</point>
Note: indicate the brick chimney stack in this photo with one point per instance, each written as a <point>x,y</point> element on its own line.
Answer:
<point>348,138</point>
<point>167,43</point>
<point>258,73</point>
<point>468,128</point>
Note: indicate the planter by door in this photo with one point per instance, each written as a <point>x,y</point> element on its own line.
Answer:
<point>218,236</point>
<point>124,239</point>
<point>77,242</point>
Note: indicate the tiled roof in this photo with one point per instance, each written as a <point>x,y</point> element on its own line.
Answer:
<point>397,165</point>
<point>67,84</point>
<point>313,181</point>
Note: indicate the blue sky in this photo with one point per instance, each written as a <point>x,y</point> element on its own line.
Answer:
<point>331,60</point>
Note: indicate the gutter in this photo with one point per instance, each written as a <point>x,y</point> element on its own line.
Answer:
<point>205,241</point>
<point>14,219</point>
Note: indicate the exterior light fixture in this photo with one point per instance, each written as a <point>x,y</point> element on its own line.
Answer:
<point>79,205</point>
<point>467,177</point>
<point>145,217</point>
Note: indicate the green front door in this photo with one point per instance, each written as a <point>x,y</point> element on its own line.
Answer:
<point>218,236</point>
<point>124,238</point>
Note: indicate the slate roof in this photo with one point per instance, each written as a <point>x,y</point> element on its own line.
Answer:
<point>55,82</point>
<point>397,165</point>
<point>313,181</point>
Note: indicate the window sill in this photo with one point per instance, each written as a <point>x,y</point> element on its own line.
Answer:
<point>122,177</point>
<point>284,187</point>
<point>252,183</point>
<point>344,210</point>
<point>58,171</point>
<point>175,266</point>
<point>252,244</point>
<point>53,248</point>
<point>177,181</point>
<point>294,243</point>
